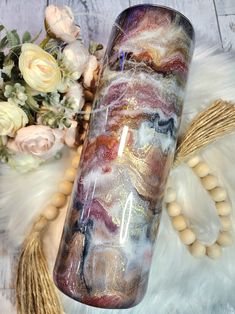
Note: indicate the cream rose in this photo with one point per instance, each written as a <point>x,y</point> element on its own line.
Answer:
<point>60,23</point>
<point>12,118</point>
<point>37,140</point>
<point>39,69</point>
<point>76,57</point>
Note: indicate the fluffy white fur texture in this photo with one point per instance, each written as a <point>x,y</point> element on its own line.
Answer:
<point>179,283</point>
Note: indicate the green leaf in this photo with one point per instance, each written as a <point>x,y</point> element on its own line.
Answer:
<point>2,57</point>
<point>12,39</point>
<point>1,27</point>
<point>36,37</point>
<point>94,46</point>
<point>26,38</point>
<point>29,115</point>
<point>16,36</point>
<point>3,42</point>
<point>32,103</point>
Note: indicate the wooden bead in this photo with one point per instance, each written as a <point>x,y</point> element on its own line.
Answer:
<point>82,137</point>
<point>89,96</point>
<point>223,208</point>
<point>213,251</point>
<point>192,162</point>
<point>224,239</point>
<point>58,199</point>
<point>187,236</point>
<point>218,194</point>
<point>201,169</point>
<point>70,174</point>
<point>226,223</point>
<point>75,161</point>
<point>85,125</point>
<point>50,212</point>
<point>87,115</point>
<point>170,195</point>
<point>79,150</point>
<point>40,224</point>
<point>65,187</point>
<point>179,223</point>
<point>197,249</point>
<point>209,182</point>
<point>173,209</point>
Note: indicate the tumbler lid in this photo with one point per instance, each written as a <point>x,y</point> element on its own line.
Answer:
<point>185,22</point>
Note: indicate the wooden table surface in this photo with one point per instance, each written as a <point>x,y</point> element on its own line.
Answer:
<point>214,19</point>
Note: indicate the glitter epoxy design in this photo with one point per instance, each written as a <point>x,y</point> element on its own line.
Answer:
<point>107,244</point>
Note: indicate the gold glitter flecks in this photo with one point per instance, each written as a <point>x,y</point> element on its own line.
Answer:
<point>116,221</point>
<point>101,270</point>
<point>141,173</point>
<point>108,198</point>
<point>140,210</point>
<point>131,101</point>
<point>138,160</point>
<point>156,56</point>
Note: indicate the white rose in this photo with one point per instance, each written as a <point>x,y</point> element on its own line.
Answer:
<point>12,118</point>
<point>70,134</point>
<point>37,140</point>
<point>39,69</point>
<point>76,57</point>
<point>74,96</point>
<point>60,23</point>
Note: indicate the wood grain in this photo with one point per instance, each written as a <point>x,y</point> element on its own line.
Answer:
<point>200,12</point>
<point>23,15</point>
<point>95,17</point>
<point>227,29</point>
<point>225,7</point>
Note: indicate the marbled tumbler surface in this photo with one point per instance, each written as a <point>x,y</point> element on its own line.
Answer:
<point>107,243</point>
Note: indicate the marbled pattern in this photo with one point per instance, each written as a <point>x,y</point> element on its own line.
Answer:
<point>107,243</point>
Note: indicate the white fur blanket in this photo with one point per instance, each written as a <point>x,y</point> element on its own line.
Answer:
<point>179,283</point>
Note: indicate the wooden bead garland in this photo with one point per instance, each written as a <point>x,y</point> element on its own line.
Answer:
<point>173,209</point>
<point>70,174</point>
<point>197,249</point>
<point>219,195</point>
<point>50,212</point>
<point>65,187</point>
<point>179,223</point>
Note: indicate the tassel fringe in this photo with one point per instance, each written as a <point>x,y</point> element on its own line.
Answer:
<point>36,292</point>
<point>208,126</point>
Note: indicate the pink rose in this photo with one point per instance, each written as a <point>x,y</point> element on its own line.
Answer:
<point>70,135</point>
<point>37,140</point>
<point>88,74</point>
<point>60,23</point>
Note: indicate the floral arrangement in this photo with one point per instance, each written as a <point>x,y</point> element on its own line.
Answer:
<point>42,89</point>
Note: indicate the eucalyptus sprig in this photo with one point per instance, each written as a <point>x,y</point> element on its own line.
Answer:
<point>53,119</point>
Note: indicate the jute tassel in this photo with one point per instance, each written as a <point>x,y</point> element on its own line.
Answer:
<point>208,126</point>
<point>36,293</point>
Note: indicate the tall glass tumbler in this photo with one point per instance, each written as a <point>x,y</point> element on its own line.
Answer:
<point>108,239</point>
